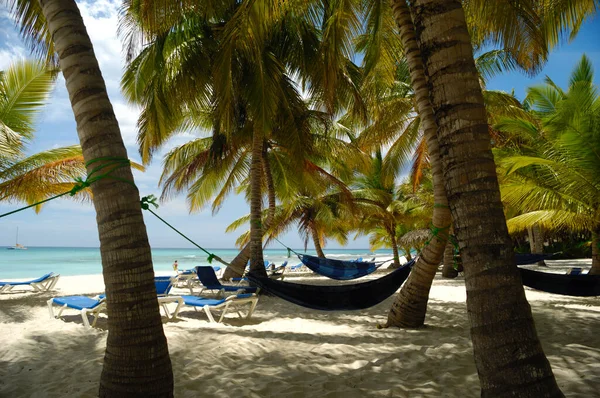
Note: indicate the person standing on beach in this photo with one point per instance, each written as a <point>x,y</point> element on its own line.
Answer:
<point>175,266</point>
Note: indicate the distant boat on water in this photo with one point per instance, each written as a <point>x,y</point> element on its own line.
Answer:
<point>17,245</point>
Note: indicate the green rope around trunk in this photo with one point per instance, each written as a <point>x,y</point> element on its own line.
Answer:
<point>150,200</point>
<point>112,164</point>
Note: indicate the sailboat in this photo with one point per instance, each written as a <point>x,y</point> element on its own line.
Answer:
<point>17,245</point>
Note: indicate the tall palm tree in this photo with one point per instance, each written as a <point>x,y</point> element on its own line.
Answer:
<point>137,359</point>
<point>488,24</point>
<point>498,310</point>
<point>554,179</point>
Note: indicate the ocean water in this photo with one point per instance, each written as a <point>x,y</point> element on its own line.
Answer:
<point>36,261</point>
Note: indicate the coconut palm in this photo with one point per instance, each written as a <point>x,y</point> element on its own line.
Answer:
<point>24,90</point>
<point>382,204</point>
<point>554,180</point>
<point>249,93</point>
<point>495,295</point>
<point>137,359</point>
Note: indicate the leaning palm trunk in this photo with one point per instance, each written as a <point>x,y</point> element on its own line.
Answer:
<point>136,363</point>
<point>316,241</point>
<point>238,265</point>
<point>256,230</point>
<point>410,306</point>
<point>508,354</point>
<point>595,252</point>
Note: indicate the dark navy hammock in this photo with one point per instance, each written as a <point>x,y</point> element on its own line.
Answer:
<point>529,258</point>
<point>337,297</point>
<point>568,285</point>
<point>338,269</point>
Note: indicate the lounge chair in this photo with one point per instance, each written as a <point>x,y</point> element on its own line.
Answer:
<point>94,306</point>
<point>224,304</point>
<point>297,267</point>
<point>41,284</point>
<point>575,271</point>
<point>277,272</point>
<point>210,282</point>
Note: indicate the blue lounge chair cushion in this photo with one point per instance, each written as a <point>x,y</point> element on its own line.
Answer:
<point>209,279</point>
<point>40,279</point>
<point>163,285</point>
<point>77,302</point>
<point>201,301</point>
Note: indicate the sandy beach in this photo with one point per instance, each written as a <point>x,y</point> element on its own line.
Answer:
<point>290,351</point>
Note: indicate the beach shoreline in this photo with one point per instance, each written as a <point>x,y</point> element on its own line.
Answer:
<point>290,351</point>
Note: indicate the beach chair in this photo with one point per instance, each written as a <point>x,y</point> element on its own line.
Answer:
<point>41,284</point>
<point>210,282</point>
<point>297,267</point>
<point>277,272</point>
<point>222,304</point>
<point>575,271</point>
<point>86,306</point>
<point>95,306</point>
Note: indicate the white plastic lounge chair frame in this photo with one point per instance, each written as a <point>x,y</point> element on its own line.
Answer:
<point>230,301</point>
<point>42,286</point>
<point>95,312</point>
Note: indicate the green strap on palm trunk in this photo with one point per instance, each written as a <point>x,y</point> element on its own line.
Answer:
<point>112,164</point>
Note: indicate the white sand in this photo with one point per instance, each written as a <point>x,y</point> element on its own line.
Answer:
<point>290,351</point>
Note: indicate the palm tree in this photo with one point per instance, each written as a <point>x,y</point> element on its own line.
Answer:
<point>24,90</point>
<point>554,181</point>
<point>137,359</point>
<point>381,204</point>
<point>488,24</point>
<point>498,310</point>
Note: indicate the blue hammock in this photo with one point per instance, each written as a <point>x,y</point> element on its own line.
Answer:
<point>339,269</point>
<point>530,258</point>
<point>567,285</point>
<point>336,297</point>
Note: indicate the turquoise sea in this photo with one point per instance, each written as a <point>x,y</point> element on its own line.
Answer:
<point>36,261</point>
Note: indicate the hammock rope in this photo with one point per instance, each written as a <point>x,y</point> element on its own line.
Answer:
<point>150,200</point>
<point>81,184</point>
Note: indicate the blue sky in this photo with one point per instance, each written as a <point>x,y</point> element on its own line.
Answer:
<point>67,223</point>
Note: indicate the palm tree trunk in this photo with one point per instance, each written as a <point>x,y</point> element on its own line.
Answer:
<point>256,230</point>
<point>136,363</point>
<point>238,265</point>
<point>536,241</point>
<point>317,242</point>
<point>595,270</point>
<point>394,242</point>
<point>508,354</point>
<point>407,253</point>
<point>448,270</point>
<point>410,306</point>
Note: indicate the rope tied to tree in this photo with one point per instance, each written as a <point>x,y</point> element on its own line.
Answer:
<point>147,201</point>
<point>113,163</point>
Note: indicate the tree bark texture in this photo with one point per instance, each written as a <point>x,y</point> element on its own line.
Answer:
<point>448,270</point>
<point>392,233</point>
<point>237,267</point>
<point>536,241</point>
<point>595,270</point>
<point>256,230</point>
<point>410,305</point>
<point>136,362</point>
<point>316,241</point>
<point>508,354</point>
